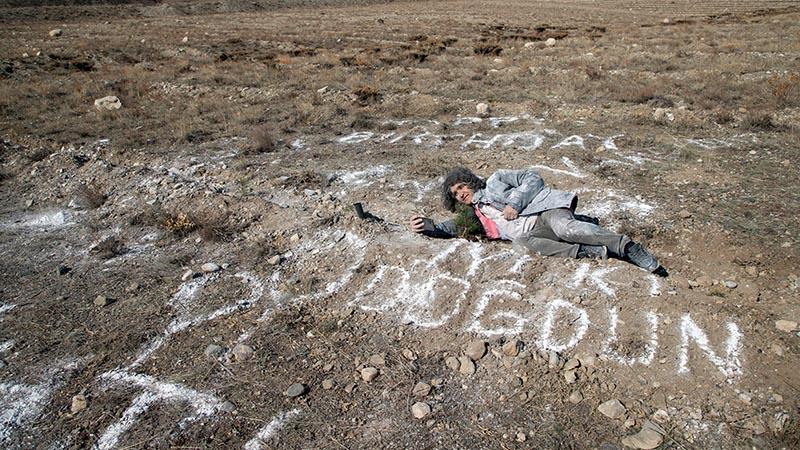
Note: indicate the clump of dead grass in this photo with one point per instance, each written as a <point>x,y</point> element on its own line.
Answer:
<point>109,248</point>
<point>785,89</point>
<point>261,140</point>
<point>90,196</point>
<point>367,95</point>
<point>759,121</point>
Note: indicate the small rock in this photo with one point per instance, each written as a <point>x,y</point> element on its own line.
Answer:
<point>530,45</point>
<point>210,267</point>
<point>704,281</point>
<point>522,437</point>
<point>185,39</point>
<point>466,366</point>
<point>275,260</point>
<point>475,350</point>
<point>589,360</point>
<point>666,21</point>
<point>102,300</point>
<point>612,409</point>
<point>421,389</point>
<point>228,406</point>
<point>213,351</point>
<point>570,376</point>
<point>350,388</point>
<point>376,360</point>
<point>188,275</point>
<point>572,364</point>
<point>420,410</point>
<point>752,271</point>
<point>663,115</point>
<point>550,42</point>
<point>755,425</point>
<point>438,382</point>
<point>295,238</point>
<point>554,361</point>
<point>79,403</point>
<point>575,397</point>
<point>133,287</point>
<point>786,325</point>
<point>482,109</point>
<point>295,390</point>
<point>684,214</point>
<point>660,416</point>
<point>730,284</point>
<point>777,422</point>
<point>369,373</point>
<point>63,270</point>
<point>29,203</point>
<point>242,352</point>
<point>108,103</point>
<point>409,355</point>
<point>650,436</point>
<point>452,362</point>
<point>511,348</point>
<point>327,384</point>
<point>56,32</point>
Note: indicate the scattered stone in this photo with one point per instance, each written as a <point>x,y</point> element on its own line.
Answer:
<point>228,406</point>
<point>755,425</point>
<point>550,42</point>
<point>185,39</point>
<point>752,271</point>
<point>79,403</point>
<point>133,287</point>
<point>554,361</point>
<point>660,416</point>
<point>409,355</point>
<point>588,360</point>
<point>420,410</point>
<point>242,352</point>
<point>612,409</point>
<point>730,284</point>
<point>275,260</point>
<point>210,267</point>
<point>666,21</point>
<point>102,300</point>
<point>663,115</point>
<point>63,270</point>
<point>482,109</point>
<point>466,366</point>
<point>572,364</point>
<point>188,275</point>
<point>108,103</point>
<point>530,44</point>
<point>295,238</point>
<point>295,390</point>
<point>421,389</point>
<point>630,422</point>
<point>570,376</point>
<point>704,281</point>
<point>56,32</point>
<point>777,422</point>
<point>452,362</point>
<point>350,388</point>
<point>684,214</point>
<point>786,325</point>
<point>511,348</point>
<point>575,397</point>
<point>327,384</point>
<point>475,350</point>
<point>649,437</point>
<point>369,373</point>
<point>376,360</point>
<point>438,382</point>
<point>521,437</point>
<point>213,351</point>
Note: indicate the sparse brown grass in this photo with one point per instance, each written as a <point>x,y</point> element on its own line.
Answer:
<point>261,140</point>
<point>90,196</point>
<point>785,89</point>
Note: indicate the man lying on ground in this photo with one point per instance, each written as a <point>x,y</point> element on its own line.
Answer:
<point>515,205</point>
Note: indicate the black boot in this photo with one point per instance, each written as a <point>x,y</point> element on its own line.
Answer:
<point>593,252</point>
<point>639,256</point>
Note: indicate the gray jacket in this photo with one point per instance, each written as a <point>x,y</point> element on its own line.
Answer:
<point>523,190</point>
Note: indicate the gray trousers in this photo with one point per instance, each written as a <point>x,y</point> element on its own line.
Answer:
<point>558,233</point>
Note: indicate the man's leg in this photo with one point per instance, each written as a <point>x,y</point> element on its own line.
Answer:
<point>562,224</point>
<point>547,247</point>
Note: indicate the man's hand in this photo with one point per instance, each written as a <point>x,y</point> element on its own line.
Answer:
<point>416,224</point>
<point>510,213</point>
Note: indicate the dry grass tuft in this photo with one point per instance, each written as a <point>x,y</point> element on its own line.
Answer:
<point>261,141</point>
<point>366,95</point>
<point>89,196</point>
<point>785,89</point>
<point>759,121</point>
<point>179,224</point>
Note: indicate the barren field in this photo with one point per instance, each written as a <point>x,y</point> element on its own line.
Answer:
<point>183,268</point>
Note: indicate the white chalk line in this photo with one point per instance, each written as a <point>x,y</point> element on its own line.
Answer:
<point>730,365</point>
<point>264,434</point>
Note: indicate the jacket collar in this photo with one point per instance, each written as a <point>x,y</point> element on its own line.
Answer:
<point>479,196</point>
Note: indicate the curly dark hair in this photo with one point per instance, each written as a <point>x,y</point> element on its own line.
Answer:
<point>459,175</point>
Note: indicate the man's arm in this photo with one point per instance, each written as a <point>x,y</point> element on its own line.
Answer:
<point>518,187</point>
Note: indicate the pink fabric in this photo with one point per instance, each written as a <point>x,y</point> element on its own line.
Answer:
<point>488,225</point>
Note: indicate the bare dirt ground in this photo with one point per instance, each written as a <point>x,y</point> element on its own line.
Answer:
<point>248,129</point>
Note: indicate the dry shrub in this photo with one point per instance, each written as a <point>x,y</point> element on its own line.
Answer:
<point>723,117</point>
<point>217,229</point>
<point>89,196</point>
<point>784,89</point>
<point>593,73</point>
<point>109,248</point>
<point>366,95</point>
<point>759,121</point>
<point>261,141</point>
<point>179,224</point>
